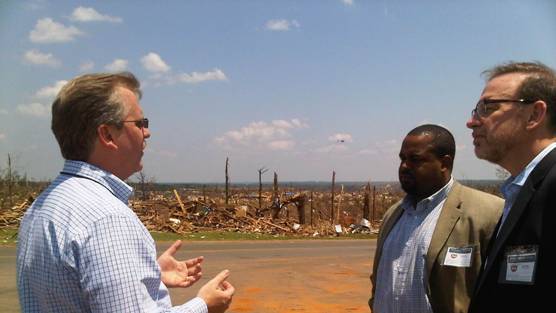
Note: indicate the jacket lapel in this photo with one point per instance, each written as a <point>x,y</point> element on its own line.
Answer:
<point>449,215</point>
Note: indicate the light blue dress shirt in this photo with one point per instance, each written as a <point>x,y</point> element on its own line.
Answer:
<point>513,184</point>
<point>82,249</point>
<point>401,285</point>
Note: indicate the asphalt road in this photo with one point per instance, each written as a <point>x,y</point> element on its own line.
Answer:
<point>310,276</point>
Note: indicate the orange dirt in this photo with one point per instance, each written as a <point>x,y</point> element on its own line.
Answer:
<point>281,287</point>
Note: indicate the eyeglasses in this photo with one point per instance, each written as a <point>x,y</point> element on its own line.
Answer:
<point>142,123</point>
<point>485,107</point>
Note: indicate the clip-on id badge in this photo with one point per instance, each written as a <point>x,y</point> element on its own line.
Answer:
<point>519,265</point>
<point>458,257</point>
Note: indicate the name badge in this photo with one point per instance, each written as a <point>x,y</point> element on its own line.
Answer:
<point>458,257</point>
<point>520,262</point>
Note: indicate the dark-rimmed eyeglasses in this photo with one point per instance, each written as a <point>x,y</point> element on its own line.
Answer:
<point>142,123</point>
<point>485,107</point>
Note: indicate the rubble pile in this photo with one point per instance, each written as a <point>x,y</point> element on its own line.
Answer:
<point>302,213</point>
<point>166,215</point>
<point>12,217</point>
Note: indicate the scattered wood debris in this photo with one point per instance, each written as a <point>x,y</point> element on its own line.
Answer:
<point>294,212</point>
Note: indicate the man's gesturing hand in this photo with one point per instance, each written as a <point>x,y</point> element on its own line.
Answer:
<point>217,293</point>
<point>176,273</point>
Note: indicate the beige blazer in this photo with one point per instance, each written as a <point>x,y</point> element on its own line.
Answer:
<point>468,218</point>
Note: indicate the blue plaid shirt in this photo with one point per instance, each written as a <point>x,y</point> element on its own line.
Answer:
<point>82,249</point>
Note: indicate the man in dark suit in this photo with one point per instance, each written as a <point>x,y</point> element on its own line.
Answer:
<point>514,126</point>
<point>431,244</point>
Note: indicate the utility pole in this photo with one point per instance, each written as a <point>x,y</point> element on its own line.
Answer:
<point>227,182</point>
<point>261,171</point>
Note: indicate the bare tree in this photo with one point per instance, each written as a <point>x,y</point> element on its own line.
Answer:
<point>10,181</point>
<point>143,183</point>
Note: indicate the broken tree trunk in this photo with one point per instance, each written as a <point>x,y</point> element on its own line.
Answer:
<point>300,203</point>
<point>374,210</point>
<point>227,184</point>
<point>366,200</point>
<point>311,207</point>
<point>332,198</point>
<point>276,199</point>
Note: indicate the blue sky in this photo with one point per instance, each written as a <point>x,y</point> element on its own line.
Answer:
<point>299,87</point>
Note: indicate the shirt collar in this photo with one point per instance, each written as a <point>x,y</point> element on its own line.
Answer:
<point>108,180</point>
<point>429,202</point>
<point>518,181</point>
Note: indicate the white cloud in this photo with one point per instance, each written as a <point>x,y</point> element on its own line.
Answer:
<point>298,123</point>
<point>3,112</point>
<point>386,147</point>
<point>86,66</point>
<point>333,148</point>
<point>275,135</point>
<point>152,62</point>
<point>51,91</point>
<point>39,58</point>
<point>82,14</point>
<point>281,25</point>
<point>196,77</point>
<point>281,145</point>
<point>48,31</point>
<point>347,2</point>
<point>117,65</point>
<point>282,124</point>
<point>34,109</point>
<point>340,143</point>
<point>2,136</point>
<point>341,138</point>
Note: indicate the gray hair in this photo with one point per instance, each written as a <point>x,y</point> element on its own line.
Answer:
<point>540,84</point>
<point>85,103</point>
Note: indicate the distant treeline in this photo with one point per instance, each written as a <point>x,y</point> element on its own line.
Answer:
<point>349,186</point>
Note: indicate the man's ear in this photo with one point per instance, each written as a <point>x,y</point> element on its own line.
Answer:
<point>105,135</point>
<point>447,162</point>
<point>538,115</point>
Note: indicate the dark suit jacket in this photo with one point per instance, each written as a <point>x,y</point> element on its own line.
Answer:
<point>468,218</point>
<point>531,221</point>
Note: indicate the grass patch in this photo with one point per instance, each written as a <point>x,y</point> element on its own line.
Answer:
<point>221,235</point>
<point>8,236</point>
